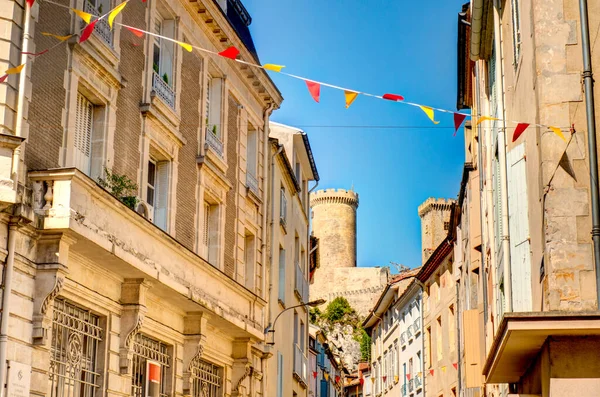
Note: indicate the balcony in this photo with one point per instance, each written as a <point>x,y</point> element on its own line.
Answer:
<point>418,382</point>
<point>300,284</point>
<point>125,243</point>
<point>251,183</point>
<point>163,90</point>
<point>409,333</point>
<point>102,29</point>
<point>214,143</point>
<point>417,327</point>
<point>300,365</point>
<point>411,385</point>
<point>403,338</point>
<point>404,389</point>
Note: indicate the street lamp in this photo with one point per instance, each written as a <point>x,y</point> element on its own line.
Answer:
<point>270,331</point>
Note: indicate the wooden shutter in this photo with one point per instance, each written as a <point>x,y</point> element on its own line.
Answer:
<point>83,134</point>
<point>162,195</point>
<point>472,329</point>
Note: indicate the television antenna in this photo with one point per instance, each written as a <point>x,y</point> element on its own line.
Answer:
<point>399,267</point>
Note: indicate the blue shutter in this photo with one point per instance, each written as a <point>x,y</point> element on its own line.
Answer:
<point>324,388</point>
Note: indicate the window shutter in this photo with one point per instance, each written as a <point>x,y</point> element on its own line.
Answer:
<point>162,195</point>
<point>324,388</point>
<point>205,230</point>
<point>97,146</point>
<point>83,134</point>
<point>282,275</point>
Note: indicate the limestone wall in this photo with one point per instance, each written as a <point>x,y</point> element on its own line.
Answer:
<point>435,219</point>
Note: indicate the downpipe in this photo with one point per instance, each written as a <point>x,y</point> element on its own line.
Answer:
<point>588,82</point>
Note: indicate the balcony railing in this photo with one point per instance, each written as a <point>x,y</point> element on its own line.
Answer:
<point>163,90</point>
<point>411,385</point>
<point>300,284</point>
<point>404,389</point>
<point>418,382</point>
<point>102,29</point>
<point>403,337</point>
<point>252,183</point>
<point>300,364</point>
<point>417,326</point>
<point>214,142</point>
<point>409,332</point>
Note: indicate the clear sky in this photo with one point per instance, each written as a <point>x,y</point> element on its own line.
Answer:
<point>376,46</point>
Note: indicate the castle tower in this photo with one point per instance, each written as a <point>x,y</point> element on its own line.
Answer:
<point>334,224</point>
<point>435,222</point>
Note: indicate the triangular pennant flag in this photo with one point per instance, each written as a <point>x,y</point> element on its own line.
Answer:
<point>429,112</point>
<point>419,374</point>
<point>30,3</point>
<point>35,54</point>
<point>230,52</point>
<point>326,376</point>
<point>314,89</point>
<point>519,129</point>
<point>87,17</point>
<point>3,78</point>
<point>455,365</point>
<point>396,378</point>
<point>484,118</point>
<point>361,381</point>
<point>372,380</point>
<point>393,97</point>
<point>458,120</point>
<point>444,369</point>
<point>15,70</point>
<point>337,378</point>
<point>384,378</point>
<point>408,376</point>
<point>431,372</point>
<point>135,31</point>
<point>565,164</point>
<point>273,67</point>
<point>61,38</point>
<point>186,46</point>
<point>113,14</point>
<point>350,97</point>
<point>87,32</point>
<point>315,374</point>
<point>558,132</point>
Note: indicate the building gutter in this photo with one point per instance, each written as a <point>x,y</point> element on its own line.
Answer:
<point>267,113</point>
<point>476,27</point>
<point>588,82</point>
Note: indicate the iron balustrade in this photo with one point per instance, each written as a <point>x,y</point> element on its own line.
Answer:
<point>102,28</point>
<point>214,142</point>
<point>163,90</point>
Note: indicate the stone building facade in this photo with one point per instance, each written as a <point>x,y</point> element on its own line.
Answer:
<point>334,225</point>
<point>106,297</point>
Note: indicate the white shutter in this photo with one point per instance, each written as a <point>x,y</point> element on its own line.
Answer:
<point>167,50</point>
<point>520,252</point>
<point>161,195</point>
<point>83,134</point>
<point>97,146</point>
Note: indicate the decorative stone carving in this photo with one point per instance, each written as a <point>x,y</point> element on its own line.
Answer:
<point>248,373</point>
<point>49,284</point>
<point>133,298</point>
<point>193,349</point>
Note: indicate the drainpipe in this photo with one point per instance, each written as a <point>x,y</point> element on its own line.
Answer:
<point>7,288</point>
<point>588,81</point>
<point>272,223</point>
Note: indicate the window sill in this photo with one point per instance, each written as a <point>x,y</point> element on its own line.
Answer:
<point>281,304</point>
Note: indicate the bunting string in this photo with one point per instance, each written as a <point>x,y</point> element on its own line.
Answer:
<point>232,53</point>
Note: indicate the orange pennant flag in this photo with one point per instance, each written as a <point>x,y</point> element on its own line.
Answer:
<point>273,67</point>
<point>484,118</point>
<point>186,46</point>
<point>136,32</point>
<point>87,17</point>
<point>15,70</point>
<point>429,112</point>
<point>61,38</point>
<point>113,14</point>
<point>350,97</point>
<point>558,132</point>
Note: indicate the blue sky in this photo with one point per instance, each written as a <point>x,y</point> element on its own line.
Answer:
<point>376,46</point>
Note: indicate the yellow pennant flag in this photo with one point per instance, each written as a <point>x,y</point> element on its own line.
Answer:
<point>396,378</point>
<point>558,132</point>
<point>273,67</point>
<point>326,376</point>
<point>484,118</point>
<point>429,112</point>
<point>186,46</point>
<point>113,14</point>
<point>350,97</point>
<point>61,38</point>
<point>444,369</point>
<point>15,70</point>
<point>87,17</point>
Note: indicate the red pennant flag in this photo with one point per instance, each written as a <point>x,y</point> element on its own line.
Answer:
<point>230,52</point>
<point>384,378</point>
<point>35,54</point>
<point>337,379</point>
<point>393,97</point>
<point>361,381</point>
<point>455,365</point>
<point>87,32</point>
<point>408,376</point>
<point>3,78</point>
<point>315,374</point>
<point>431,372</point>
<point>519,129</point>
<point>30,3</point>
<point>136,32</point>
<point>314,89</point>
<point>458,120</point>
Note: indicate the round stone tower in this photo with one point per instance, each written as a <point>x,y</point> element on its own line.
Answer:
<point>334,224</point>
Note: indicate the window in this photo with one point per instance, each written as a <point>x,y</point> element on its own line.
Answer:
<point>151,361</point>
<point>279,374</point>
<point>281,295</point>
<point>410,367</point>
<point>209,247</point>
<point>250,261</point>
<point>157,191</point>
<point>438,337</point>
<point>207,379</point>
<point>446,225</point>
<point>429,347</point>
<point>301,336</point>
<point>295,328</point>
<point>213,105</point>
<point>282,207</point>
<point>163,60</point>
<point>451,326</point>
<point>251,160</point>
<point>76,335</point>
<point>516,33</point>
<point>88,140</point>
